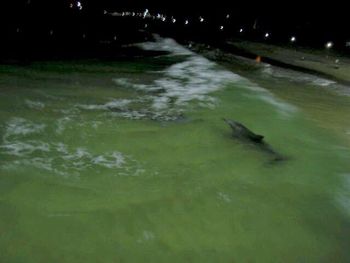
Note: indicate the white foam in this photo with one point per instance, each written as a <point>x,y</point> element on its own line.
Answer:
<point>304,78</point>
<point>19,148</point>
<point>224,197</point>
<point>131,114</point>
<point>296,76</point>
<point>62,123</point>
<point>36,105</point>
<point>191,80</point>
<point>69,111</point>
<point>194,79</point>
<point>21,127</point>
<point>58,158</point>
<point>165,44</point>
<point>116,103</point>
<point>124,82</point>
<point>113,160</point>
<point>78,154</point>
<point>197,77</point>
<point>322,82</point>
<point>61,147</point>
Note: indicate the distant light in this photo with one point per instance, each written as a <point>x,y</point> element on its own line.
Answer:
<point>18,30</point>
<point>347,44</point>
<point>221,28</point>
<point>189,45</point>
<point>293,39</point>
<point>115,38</point>
<point>241,30</point>
<point>133,13</point>
<point>123,14</point>
<point>329,45</point>
<point>145,13</point>
<point>267,35</point>
<point>174,20</point>
<point>84,36</point>
<point>71,5</point>
<point>79,5</point>
<point>227,16</point>
<point>105,12</point>
<point>201,19</point>
<point>146,25</point>
<point>51,32</point>
<point>163,18</point>
<point>186,22</point>
<point>158,15</point>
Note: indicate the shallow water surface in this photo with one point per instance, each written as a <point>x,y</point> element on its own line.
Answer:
<point>131,162</point>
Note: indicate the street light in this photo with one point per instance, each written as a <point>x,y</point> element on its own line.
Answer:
<point>79,5</point>
<point>329,45</point>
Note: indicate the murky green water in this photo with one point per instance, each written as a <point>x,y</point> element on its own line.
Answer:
<point>132,162</point>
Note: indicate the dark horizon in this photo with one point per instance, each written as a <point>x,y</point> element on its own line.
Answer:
<point>29,25</point>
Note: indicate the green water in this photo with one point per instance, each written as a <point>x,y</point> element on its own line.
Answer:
<point>131,162</point>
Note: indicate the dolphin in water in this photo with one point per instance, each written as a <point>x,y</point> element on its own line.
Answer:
<point>239,131</point>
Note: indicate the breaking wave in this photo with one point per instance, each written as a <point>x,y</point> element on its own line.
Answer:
<point>297,77</point>
<point>165,44</point>
<point>193,79</point>
<point>304,78</point>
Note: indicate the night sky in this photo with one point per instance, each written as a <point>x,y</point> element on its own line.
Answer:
<point>59,26</point>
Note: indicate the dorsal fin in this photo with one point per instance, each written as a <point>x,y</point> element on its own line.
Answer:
<point>240,130</point>
<point>256,137</point>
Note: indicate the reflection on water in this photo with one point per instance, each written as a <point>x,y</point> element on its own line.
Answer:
<point>131,161</point>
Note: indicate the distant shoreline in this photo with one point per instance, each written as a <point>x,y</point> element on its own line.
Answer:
<point>320,62</point>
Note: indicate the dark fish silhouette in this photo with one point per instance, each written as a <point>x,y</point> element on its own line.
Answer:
<point>239,131</point>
